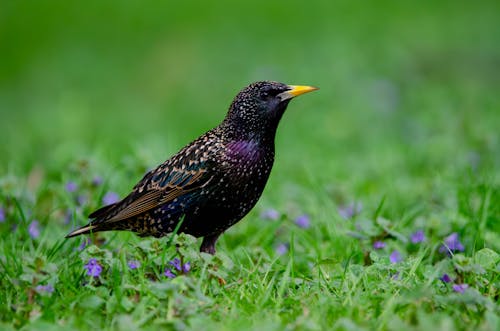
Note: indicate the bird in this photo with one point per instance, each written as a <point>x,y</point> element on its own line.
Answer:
<point>211,183</point>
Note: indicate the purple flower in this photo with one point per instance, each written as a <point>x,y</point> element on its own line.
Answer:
<point>350,210</point>
<point>303,221</point>
<point>417,237</point>
<point>2,215</point>
<point>395,257</point>
<point>451,244</point>
<point>186,267</point>
<point>110,198</point>
<point>134,264</point>
<point>445,278</point>
<point>93,268</point>
<point>282,249</point>
<point>378,244</point>
<point>176,263</point>
<point>168,273</point>
<point>270,214</point>
<point>460,288</point>
<point>85,243</point>
<point>68,216</point>
<point>97,180</point>
<point>71,187</point>
<point>396,276</point>
<point>34,230</point>
<point>44,288</point>
<point>81,200</point>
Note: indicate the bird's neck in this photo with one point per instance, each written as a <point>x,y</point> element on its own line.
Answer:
<point>260,134</point>
<point>248,151</point>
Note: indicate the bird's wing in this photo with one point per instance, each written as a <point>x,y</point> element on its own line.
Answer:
<point>158,187</point>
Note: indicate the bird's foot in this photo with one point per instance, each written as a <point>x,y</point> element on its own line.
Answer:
<point>208,244</point>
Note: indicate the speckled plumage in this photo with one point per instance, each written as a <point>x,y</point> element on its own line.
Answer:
<point>211,183</point>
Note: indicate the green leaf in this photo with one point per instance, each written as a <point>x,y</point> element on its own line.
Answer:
<point>487,258</point>
<point>92,302</point>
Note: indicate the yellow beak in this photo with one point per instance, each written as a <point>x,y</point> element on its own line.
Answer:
<point>297,90</point>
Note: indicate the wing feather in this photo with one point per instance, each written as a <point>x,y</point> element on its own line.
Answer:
<point>180,182</point>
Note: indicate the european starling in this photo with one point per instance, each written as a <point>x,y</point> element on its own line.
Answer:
<point>213,182</point>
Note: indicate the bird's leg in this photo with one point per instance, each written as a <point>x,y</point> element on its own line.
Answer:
<point>208,244</point>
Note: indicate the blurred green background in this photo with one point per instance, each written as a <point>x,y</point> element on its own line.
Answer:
<point>409,91</point>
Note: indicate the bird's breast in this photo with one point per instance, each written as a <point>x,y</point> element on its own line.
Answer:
<point>240,175</point>
<point>247,167</point>
<point>248,157</point>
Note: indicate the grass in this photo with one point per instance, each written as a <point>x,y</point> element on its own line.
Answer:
<point>405,127</point>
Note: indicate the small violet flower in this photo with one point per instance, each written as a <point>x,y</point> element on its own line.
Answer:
<point>97,181</point>
<point>81,200</point>
<point>2,215</point>
<point>417,237</point>
<point>134,264</point>
<point>460,288</point>
<point>44,288</point>
<point>395,257</point>
<point>168,273</point>
<point>378,244</point>
<point>270,214</point>
<point>445,278</point>
<point>71,187</point>
<point>350,210</point>
<point>84,244</point>
<point>396,276</point>
<point>93,268</point>
<point>178,266</point>
<point>303,221</point>
<point>176,263</point>
<point>110,198</point>
<point>282,249</point>
<point>34,230</point>
<point>68,216</point>
<point>452,244</point>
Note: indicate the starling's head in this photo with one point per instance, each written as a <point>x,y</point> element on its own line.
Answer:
<point>258,108</point>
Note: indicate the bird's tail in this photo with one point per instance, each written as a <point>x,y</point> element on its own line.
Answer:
<point>83,230</point>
